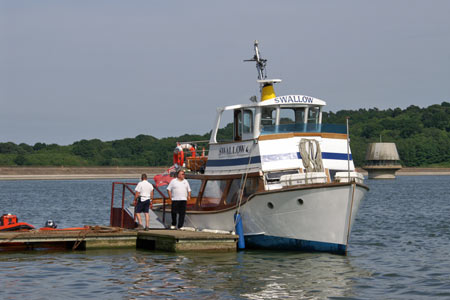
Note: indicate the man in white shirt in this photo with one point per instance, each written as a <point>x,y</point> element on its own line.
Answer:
<point>179,192</point>
<point>142,198</point>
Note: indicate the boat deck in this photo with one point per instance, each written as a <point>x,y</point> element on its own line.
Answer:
<point>96,237</point>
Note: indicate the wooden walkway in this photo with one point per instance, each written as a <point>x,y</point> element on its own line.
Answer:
<point>112,237</point>
<point>178,240</point>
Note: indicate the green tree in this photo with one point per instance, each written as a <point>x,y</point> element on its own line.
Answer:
<point>39,146</point>
<point>20,160</point>
<point>87,148</point>
<point>9,148</point>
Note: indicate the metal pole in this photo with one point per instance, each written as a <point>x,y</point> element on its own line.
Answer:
<point>348,149</point>
<point>123,204</point>
<point>112,205</point>
<point>164,211</point>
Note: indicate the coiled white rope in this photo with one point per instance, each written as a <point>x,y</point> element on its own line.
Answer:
<point>311,155</point>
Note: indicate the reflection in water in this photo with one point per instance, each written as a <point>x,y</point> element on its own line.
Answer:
<point>251,275</point>
<point>269,275</point>
<point>131,274</point>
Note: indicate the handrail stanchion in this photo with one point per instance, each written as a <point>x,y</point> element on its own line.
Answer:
<point>123,204</point>
<point>112,205</point>
<point>348,150</point>
<point>164,211</point>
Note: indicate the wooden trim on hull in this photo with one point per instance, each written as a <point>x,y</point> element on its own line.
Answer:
<point>288,189</point>
<point>304,134</point>
<point>277,136</point>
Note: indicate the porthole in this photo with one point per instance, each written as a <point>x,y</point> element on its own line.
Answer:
<point>270,205</point>
<point>300,201</point>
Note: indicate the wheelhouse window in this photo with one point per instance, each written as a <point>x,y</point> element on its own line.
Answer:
<point>243,124</point>
<point>268,116</point>
<point>247,124</point>
<point>282,119</point>
<point>237,125</point>
<point>292,115</point>
<point>313,115</point>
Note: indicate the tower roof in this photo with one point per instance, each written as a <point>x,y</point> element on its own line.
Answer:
<point>382,151</point>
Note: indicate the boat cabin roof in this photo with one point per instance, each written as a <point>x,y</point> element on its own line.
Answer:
<point>287,100</point>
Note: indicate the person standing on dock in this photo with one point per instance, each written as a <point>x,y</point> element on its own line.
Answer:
<point>142,198</point>
<point>179,192</point>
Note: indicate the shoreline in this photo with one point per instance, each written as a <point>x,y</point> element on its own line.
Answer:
<point>84,173</point>
<point>415,171</point>
<point>77,173</point>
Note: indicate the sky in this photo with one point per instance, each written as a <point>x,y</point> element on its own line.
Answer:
<point>106,69</point>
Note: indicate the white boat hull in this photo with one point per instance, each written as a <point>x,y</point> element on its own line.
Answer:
<point>314,218</point>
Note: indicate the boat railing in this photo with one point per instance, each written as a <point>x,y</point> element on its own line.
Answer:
<point>118,215</point>
<point>198,145</point>
<point>302,127</point>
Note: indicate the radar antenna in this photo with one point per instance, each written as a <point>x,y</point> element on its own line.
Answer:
<point>260,62</point>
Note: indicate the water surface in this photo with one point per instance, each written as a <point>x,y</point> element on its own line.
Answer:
<point>399,249</point>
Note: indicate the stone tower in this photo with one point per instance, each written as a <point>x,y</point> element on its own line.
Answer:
<point>382,161</point>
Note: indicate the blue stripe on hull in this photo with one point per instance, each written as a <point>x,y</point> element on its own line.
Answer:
<point>232,162</point>
<point>338,156</point>
<point>270,158</point>
<point>281,243</point>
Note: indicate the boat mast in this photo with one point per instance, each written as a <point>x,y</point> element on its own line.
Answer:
<point>260,62</point>
<point>266,85</point>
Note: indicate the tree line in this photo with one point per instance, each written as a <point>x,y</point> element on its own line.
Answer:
<point>422,136</point>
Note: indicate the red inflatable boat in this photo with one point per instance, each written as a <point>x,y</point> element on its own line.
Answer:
<point>9,222</point>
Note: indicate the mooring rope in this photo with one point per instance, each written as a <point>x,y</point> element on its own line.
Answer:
<point>79,240</point>
<point>192,222</point>
<point>244,182</point>
<point>311,155</point>
<point>93,229</point>
<point>11,238</point>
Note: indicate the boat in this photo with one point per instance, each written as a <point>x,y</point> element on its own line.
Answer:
<point>289,177</point>
<point>10,222</point>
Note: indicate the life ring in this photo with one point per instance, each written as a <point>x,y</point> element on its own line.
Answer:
<point>178,156</point>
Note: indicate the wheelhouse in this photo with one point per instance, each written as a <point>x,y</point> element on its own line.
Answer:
<point>293,113</point>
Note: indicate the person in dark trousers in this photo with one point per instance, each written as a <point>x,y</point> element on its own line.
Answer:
<point>179,192</point>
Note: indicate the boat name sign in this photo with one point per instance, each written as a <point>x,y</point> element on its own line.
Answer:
<point>294,99</point>
<point>230,150</point>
